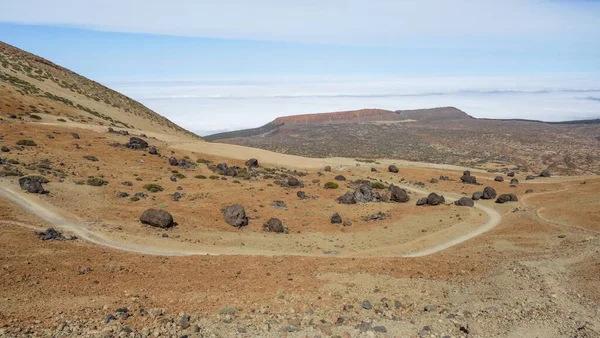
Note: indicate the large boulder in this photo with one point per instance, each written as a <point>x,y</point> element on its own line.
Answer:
<point>157,218</point>
<point>488,193</point>
<point>274,225</point>
<point>235,215</point>
<point>136,143</point>
<point>435,199</point>
<point>336,219</point>
<point>32,184</point>
<point>398,194</point>
<point>293,182</point>
<point>468,179</point>
<point>477,195</point>
<point>464,202</point>
<point>347,198</point>
<point>252,163</point>
<point>340,178</point>
<point>152,151</point>
<point>499,179</point>
<point>514,181</point>
<point>393,169</point>
<point>301,195</point>
<point>173,161</point>
<point>511,174</point>
<point>365,194</point>
<point>222,167</point>
<point>433,181</point>
<point>545,173</point>
<point>507,198</point>
<point>422,201</point>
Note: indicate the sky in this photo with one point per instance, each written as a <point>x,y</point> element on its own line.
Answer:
<point>220,65</point>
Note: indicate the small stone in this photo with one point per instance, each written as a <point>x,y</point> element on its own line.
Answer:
<point>366,305</point>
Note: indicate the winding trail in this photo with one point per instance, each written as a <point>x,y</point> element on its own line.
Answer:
<point>81,230</point>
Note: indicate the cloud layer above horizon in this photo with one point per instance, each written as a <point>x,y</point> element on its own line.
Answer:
<point>361,22</point>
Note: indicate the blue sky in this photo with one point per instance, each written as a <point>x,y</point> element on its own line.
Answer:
<point>136,45</point>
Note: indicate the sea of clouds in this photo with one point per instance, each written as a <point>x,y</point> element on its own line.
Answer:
<point>210,106</point>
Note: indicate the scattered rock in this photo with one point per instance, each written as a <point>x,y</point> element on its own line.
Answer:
<point>252,163</point>
<point>433,181</point>
<point>378,216</point>
<point>274,225</point>
<point>173,161</point>
<point>477,195</point>
<point>499,179</point>
<point>278,205</point>
<point>347,223</point>
<point>393,169</point>
<point>336,218</point>
<point>51,235</point>
<point>75,136</point>
<point>152,151</point>
<point>529,191</point>
<point>488,193</point>
<point>366,305</point>
<point>435,199</point>
<point>293,182</point>
<point>530,177</point>
<point>507,198</point>
<point>514,181</point>
<point>374,170</point>
<point>545,173</point>
<point>422,201</point>
<point>398,194</point>
<point>122,195</point>
<point>301,195</point>
<point>5,149</point>
<point>32,184</point>
<point>347,198</point>
<point>468,179</point>
<point>157,218</point>
<point>235,215</point>
<point>340,178</point>
<point>327,168</point>
<point>444,178</point>
<point>136,143</point>
<point>464,202</point>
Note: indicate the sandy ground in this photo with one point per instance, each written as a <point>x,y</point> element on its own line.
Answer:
<point>528,268</point>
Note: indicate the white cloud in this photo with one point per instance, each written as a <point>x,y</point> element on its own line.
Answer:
<point>385,22</point>
<point>209,106</point>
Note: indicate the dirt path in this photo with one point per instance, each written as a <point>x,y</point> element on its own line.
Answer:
<point>81,230</point>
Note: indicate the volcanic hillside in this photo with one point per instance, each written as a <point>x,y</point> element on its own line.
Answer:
<point>438,135</point>
<point>38,90</point>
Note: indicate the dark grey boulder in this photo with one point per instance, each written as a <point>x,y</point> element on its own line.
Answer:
<point>499,179</point>
<point>5,149</point>
<point>545,173</point>
<point>435,199</point>
<point>293,182</point>
<point>464,202</point>
<point>433,181</point>
<point>32,184</point>
<point>157,218</point>
<point>511,174</point>
<point>398,194</point>
<point>274,225</point>
<point>75,136</point>
<point>50,235</point>
<point>136,143</point>
<point>152,151</point>
<point>301,195</point>
<point>514,181</point>
<point>374,170</point>
<point>488,193</point>
<point>336,218</point>
<point>347,198</point>
<point>529,177</point>
<point>365,194</point>
<point>347,223</point>
<point>327,168</point>
<point>340,178</point>
<point>422,201</point>
<point>468,179</point>
<point>507,198</point>
<point>252,163</point>
<point>173,161</point>
<point>529,191</point>
<point>235,215</point>
<point>393,169</point>
<point>477,195</point>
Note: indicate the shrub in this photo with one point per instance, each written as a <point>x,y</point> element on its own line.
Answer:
<point>179,175</point>
<point>200,177</point>
<point>80,182</point>
<point>377,185</point>
<point>29,143</point>
<point>203,161</point>
<point>331,185</point>
<point>13,161</point>
<point>96,181</point>
<point>139,179</point>
<point>35,117</point>
<point>214,177</point>
<point>127,183</point>
<point>61,120</point>
<point>236,181</point>
<point>153,187</point>
<point>91,158</point>
<point>134,199</point>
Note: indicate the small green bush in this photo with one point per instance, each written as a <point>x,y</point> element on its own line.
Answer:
<point>153,187</point>
<point>236,181</point>
<point>35,117</point>
<point>331,185</point>
<point>134,199</point>
<point>377,185</point>
<point>139,179</point>
<point>29,143</point>
<point>179,175</point>
<point>214,177</point>
<point>12,161</point>
<point>91,158</point>
<point>203,161</point>
<point>200,177</point>
<point>96,181</point>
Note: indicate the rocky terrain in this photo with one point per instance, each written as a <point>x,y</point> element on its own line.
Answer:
<point>441,135</point>
<point>110,231</point>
